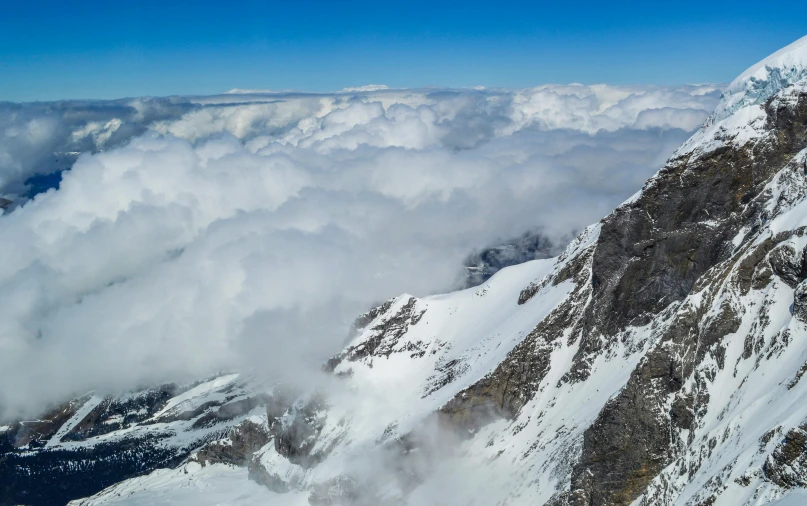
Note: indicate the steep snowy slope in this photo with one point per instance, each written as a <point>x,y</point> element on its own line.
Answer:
<point>658,361</point>
<point>193,484</point>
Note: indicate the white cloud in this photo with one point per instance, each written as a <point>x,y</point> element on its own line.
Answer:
<point>368,87</point>
<point>242,230</point>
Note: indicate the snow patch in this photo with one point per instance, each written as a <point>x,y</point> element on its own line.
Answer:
<point>82,412</point>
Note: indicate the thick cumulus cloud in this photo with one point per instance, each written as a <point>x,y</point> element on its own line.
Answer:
<point>247,230</point>
<point>43,138</point>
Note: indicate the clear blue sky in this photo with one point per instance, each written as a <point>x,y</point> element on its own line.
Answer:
<point>116,48</point>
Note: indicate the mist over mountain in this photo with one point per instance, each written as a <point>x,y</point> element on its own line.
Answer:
<point>253,299</point>
<point>247,230</point>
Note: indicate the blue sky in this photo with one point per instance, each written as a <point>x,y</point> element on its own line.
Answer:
<point>55,50</point>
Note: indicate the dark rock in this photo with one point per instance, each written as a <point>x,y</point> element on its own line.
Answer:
<point>787,264</point>
<point>385,335</point>
<point>572,270</point>
<point>799,375</point>
<point>787,465</point>
<point>227,411</point>
<point>243,440</point>
<point>115,414</point>
<point>629,443</point>
<point>296,440</point>
<point>682,414</point>
<point>365,319</point>
<point>800,302</point>
<point>37,433</point>
<point>649,255</point>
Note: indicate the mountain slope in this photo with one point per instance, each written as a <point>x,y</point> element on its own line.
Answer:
<point>620,384</point>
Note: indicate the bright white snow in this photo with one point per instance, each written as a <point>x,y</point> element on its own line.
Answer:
<point>212,485</point>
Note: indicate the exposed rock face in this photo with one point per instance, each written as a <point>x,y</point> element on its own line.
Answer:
<point>786,466</point>
<point>788,264</point>
<point>237,449</point>
<point>629,444</point>
<point>37,433</point>
<point>678,237</point>
<point>295,436</point>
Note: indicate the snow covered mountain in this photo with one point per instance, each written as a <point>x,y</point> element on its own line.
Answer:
<point>92,442</point>
<point>659,360</point>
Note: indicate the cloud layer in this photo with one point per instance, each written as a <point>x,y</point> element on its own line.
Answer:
<point>248,229</point>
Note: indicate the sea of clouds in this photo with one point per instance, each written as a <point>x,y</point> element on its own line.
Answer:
<point>194,234</point>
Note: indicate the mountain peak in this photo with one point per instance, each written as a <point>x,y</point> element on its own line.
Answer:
<point>761,81</point>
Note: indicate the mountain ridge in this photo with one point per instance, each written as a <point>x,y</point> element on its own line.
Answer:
<point>658,360</point>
